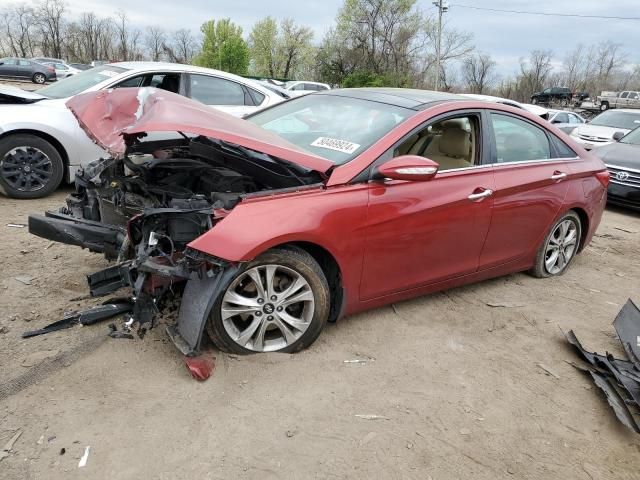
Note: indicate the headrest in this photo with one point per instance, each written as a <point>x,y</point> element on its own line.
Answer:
<point>454,142</point>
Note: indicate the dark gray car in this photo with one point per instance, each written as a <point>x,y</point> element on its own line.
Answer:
<point>23,69</point>
<point>622,159</point>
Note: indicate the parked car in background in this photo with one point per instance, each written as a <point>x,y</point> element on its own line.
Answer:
<point>606,128</point>
<point>560,95</point>
<point>81,66</point>
<point>278,90</point>
<point>622,159</point>
<point>63,70</point>
<point>319,207</point>
<point>40,136</point>
<point>580,96</point>
<point>23,69</point>
<point>626,99</point>
<point>565,121</point>
<point>298,88</point>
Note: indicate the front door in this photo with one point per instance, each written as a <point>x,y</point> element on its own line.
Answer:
<point>532,180</point>
<point>418,233</point>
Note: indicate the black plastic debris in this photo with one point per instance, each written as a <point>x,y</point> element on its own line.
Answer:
<point>618,379</point>
<point>86,317</point>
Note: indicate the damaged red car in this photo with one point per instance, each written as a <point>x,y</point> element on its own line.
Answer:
<point>319,207</point>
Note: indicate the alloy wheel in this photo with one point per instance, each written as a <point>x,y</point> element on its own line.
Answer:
<point>26,169</point>
<point>561,246</point>
<point>39,78</point>
<point>267,308</point>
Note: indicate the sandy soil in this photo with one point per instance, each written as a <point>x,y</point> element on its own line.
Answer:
<point>455,383</point>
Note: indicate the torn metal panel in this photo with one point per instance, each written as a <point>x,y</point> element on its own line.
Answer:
<point>627,325</point>
<point>616,401</point>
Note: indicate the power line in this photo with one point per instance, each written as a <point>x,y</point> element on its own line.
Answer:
<point>545,13</point>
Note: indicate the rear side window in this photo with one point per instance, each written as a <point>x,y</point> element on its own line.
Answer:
<point>561,148</point>
<point>624,94</point>
<point>518,141</point>
<point>216,91</point>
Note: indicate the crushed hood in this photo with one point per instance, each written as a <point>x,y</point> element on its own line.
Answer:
<point>108,115</point>
<point>10,94</point>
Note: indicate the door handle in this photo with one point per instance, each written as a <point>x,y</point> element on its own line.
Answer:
<point>558,176</point>
<point>479,196</point>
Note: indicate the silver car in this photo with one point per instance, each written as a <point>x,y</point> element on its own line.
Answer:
<point>42,144</point>
<point>606,128</point>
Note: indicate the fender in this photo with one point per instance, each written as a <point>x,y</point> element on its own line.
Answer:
<point>334,219</point>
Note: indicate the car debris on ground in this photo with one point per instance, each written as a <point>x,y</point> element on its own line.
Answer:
<point>618,379</point>
<point>6,450</point>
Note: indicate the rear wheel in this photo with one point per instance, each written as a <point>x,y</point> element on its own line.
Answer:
<point>30,167</point>
<point>559,247</point>
<point>278,303</point>
<point>39,78</point>
<point>534,101</point>
<point>604,106</point>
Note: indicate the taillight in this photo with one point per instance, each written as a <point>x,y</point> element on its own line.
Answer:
<point>51,69</point>
<point>603,177</point>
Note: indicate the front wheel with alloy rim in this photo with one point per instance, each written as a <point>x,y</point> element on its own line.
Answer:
<point>277,303</point>
<point>30,167</point>
<point>559,247</point>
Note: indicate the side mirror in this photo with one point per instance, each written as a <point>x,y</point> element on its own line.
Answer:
<point>617,136</point>
<point>409,167</point>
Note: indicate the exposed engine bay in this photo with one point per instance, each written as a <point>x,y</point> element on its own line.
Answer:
<point>143,209</point>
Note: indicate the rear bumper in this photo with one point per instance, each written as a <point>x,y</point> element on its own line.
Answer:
<point>623,195</point>
<point>95,236</point>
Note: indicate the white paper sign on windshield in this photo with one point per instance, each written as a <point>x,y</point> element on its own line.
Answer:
<point>335,144</point>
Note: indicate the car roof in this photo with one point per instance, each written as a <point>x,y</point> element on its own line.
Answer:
<point>402,97</point>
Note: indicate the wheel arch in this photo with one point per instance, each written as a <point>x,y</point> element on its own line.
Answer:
<point>45,136</point>
<point>331,269</point>
<point>584,225</point>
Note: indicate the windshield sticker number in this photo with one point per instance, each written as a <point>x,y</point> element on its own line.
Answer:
<point>335,144</point>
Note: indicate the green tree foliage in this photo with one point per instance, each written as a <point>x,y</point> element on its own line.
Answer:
<point>281,51</point>
<point>223,47</point>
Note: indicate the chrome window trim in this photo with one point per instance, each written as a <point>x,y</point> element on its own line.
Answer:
<point>539,160</point>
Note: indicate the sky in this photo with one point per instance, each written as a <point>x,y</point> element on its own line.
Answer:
<point>506,36</point>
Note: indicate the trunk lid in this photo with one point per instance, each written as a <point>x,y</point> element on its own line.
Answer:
<point>108,116</point>
<point>15,95</point>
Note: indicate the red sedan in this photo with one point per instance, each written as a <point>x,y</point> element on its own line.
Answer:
<point>319,207</point>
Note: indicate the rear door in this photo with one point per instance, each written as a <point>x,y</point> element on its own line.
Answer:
<point>633,100</point>
<point>532,179</point>
<point>419,233</point>
<point>24,69</point>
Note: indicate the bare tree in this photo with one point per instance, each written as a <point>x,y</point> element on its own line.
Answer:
<point>181,48</point>
<point>534,73</point>
<point>154,39</point>
<point>49,16</point>
<point>19,30</point>
<point>478,72</point>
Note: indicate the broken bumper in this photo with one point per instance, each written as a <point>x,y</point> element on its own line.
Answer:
<point>95,236</point>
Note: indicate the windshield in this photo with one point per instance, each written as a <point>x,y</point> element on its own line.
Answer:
<point>82,81</point>
<point>632,138</point>
<point>334,127</point>
<point>611,118</point>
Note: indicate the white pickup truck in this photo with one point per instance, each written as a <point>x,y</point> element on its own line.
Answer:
<point>626,99</point>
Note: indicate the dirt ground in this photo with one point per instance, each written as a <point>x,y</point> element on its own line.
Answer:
<point>454,382</point>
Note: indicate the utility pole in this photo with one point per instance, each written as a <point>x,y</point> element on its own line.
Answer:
<point>442,8</point>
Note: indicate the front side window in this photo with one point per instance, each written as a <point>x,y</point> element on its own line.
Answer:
<point>518,141</point>
<point>632,138</point>
<point>633,96</point>
<point>452,143</point>
<point>547,90</point>
<point>216,91</point>
<point>574,119</point>
<point>561,118</point>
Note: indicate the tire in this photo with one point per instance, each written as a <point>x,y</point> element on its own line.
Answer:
<point>30,167</point>
<point>240,333</point>
<point>604,106</point>
<point>39,78</point>
<point>567,250</point>
<point>534,101</point>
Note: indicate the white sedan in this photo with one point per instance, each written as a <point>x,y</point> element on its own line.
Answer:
<point>42,144</point>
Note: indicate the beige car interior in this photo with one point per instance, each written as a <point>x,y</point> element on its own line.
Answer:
<point>450,143</point>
